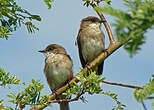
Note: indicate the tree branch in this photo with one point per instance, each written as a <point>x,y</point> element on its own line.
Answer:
<point>107,27</point>
<point>68,100</point>
<point>122,85</point>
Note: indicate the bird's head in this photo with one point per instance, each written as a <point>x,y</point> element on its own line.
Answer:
<point>53,49</point>
<point>91,21</point>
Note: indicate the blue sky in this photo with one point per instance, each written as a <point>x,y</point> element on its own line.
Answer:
<point>60,25</point>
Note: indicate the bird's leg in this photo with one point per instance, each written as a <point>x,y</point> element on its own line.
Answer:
<point>106,51</point>
<point>88,69</point>
<point>55,92</point>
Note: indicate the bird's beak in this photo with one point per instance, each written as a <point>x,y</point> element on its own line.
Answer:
<point>42,51</point>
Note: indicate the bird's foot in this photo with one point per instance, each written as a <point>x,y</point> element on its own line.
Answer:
<point>111,44</point>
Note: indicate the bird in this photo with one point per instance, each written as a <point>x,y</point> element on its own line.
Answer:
<point>90,42</point>
<point>58,69</point>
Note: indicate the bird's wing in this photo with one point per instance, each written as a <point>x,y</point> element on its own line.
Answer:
<point>80,48</point>
<point>100,67</point>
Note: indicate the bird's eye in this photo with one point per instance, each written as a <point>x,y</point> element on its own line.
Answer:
<point>93,20</point>
<point>51,48</point>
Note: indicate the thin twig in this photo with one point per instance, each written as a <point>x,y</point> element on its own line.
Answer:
<point>145,108</point>
<point>107,27</point>
<point>68,100</point>
<point>73,99</point>
<point>150,98</point>
<point>122,85</point>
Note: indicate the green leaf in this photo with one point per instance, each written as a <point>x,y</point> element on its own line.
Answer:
<point>134,22</point>
<point>30,95</point>
<point>5,78</point>
<point>36,17</point>
<point>108,1</point>
<point>148,90</point>
<point>48,3</point>
<point>114,96</point>
<point>13,16</point>
<point>11,96</point>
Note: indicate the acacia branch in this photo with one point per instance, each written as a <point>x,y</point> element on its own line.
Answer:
<point>68,100</point>
<point>73,99</point>
<point>64,100</point>
<point>122,85</point>
<point>107,27</point>
<point>150,98</point>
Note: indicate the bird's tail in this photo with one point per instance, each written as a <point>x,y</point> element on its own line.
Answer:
<point>64,106</point>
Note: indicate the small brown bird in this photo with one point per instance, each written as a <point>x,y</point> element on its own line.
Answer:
<point>90,42</point>
<point>58,69</point>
